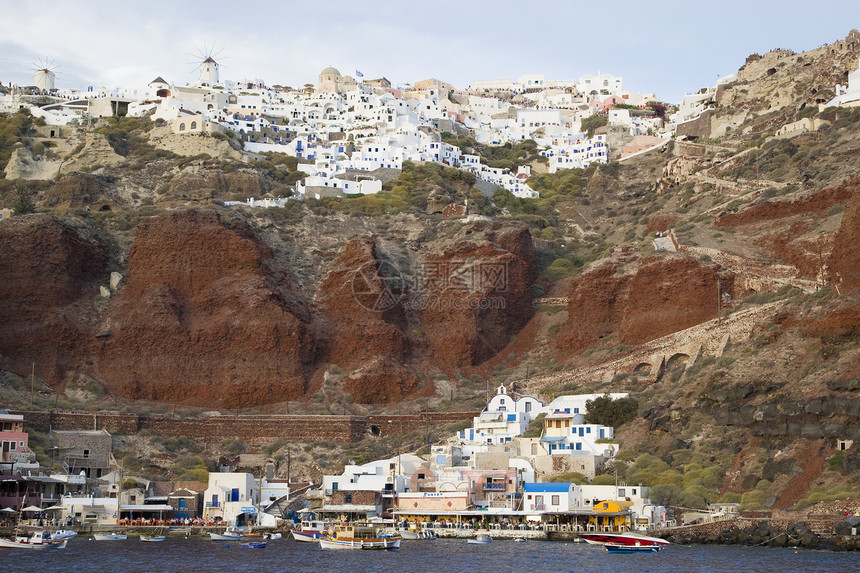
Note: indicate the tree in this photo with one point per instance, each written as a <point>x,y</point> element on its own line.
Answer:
<point>608,412</point>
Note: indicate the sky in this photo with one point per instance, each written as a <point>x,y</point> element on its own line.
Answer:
<point>664,47</point>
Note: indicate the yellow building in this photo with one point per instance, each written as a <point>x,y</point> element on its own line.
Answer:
<point>610,515</point>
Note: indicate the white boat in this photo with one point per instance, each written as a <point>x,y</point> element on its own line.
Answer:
<point>411,534</point>
<point>310,531</point>
<point>152,538</point>
<point>229,534</point>
<point>63,534</point>
<point>39,540</point>
<point>344,537</point>
<point>272,536</point>
<point>481,538</point>
<point>110,536</point>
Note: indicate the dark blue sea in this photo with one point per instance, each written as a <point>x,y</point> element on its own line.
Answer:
<point>449,555</point>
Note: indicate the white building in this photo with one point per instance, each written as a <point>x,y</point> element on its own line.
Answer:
<point>229,496</point>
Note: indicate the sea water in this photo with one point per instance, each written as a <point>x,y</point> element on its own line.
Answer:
<point>448,555</point>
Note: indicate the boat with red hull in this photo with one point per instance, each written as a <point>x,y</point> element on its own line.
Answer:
<point>632,539</point>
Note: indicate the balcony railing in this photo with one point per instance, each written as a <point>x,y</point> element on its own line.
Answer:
<point>494,486</point>
<point>213,504</point>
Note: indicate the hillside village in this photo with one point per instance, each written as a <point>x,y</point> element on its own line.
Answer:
<point>687,268</point>
<point>490,473</point>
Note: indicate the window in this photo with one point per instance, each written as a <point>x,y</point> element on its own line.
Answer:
<point>528,406</point>
<point>621,492</point>
<point>86,453</point>
<point>181,504</point>
<point>348,498</point>
<point>555,500</point>
<point>193,125</point>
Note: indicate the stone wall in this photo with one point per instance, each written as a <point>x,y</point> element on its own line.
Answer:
<point>253,430</point>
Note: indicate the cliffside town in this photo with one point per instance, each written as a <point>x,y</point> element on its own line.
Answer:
<point>218,259</point>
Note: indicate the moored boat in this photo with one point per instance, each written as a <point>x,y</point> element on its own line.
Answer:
<point>310,531</point>
<point>38,540</point>
<point>630,538</point>
<point>253,545</point>
<point>110,536</point>
<point>152,538</point>
<point>480,538</point>
<point>345,537</point>
<point>616,548</point>
<point>61,534</point>
<point>229,534</point>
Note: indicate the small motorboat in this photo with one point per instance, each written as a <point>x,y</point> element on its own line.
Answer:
<point>630,538</point>
<point>617,548</point>
<point>63,534</point>
<point>228,535</point>
<point>480,538</point>
<point>519,538</point>
<point>253,545</point>
<point>110,536</point>
<point>152,538</point>
<point>271,536</point>
<point>345,537</point>
<point>310,531</point>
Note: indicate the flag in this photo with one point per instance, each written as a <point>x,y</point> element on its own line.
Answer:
<point>358,74</point>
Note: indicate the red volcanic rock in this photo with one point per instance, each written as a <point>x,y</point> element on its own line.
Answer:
<point>475,297</point>
<point>817,203</point>
<point>206,317</point>
<point>664,295</point>
<point>361,301</point>
<point>49,281</point>
<point>844,262</point>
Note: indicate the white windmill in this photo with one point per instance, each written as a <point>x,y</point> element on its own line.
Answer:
<point>208,66</point>
<point>44,75</point>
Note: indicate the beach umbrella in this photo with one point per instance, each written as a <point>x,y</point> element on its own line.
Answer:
<point>8,510</point>
<point>32,509</point>
<point>53,508</point>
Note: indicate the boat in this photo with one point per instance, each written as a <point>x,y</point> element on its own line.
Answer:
<point>63,534</point>
<point>110,536</point>
<point>229,534</point>
<point>346,537</point>
<point>480,538</point>
<point>152,538</point>
<point>253,545</point>
<point>38,540</point>
<point>616,548</point>
<point>630,538</point>
<point>411,534</point>
<point>310,531</point>
<point>520,538</point>
<point>271,536</point>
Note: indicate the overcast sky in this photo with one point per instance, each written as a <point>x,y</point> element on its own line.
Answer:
<point>666,47</point>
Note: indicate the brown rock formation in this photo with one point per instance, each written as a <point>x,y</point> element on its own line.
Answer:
<point>844,262</point>
<point>476,296</point>
<point>206,317</point>
<point>49,281</point>
<point>664,295</point>
<point>361,301</point>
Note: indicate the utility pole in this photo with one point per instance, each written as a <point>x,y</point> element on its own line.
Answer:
<point>32,383</point>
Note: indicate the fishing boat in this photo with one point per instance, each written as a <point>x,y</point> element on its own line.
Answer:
<point>346,537</point>
<point>253,545</point>
<point>310,531</point>
<point>110,536</point>
<point>630,538</point>
<point>480,538</point>
<point>412,534</point>
<point>616,548</point>
<point>152,538</point>
<point>38,540</point>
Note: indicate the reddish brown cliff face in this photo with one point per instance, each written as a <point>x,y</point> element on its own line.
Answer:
<point>475,297</point>
<point>844,260</point>
<point>49,282</point>
<point>205,318</point>
<point>664,295</point>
